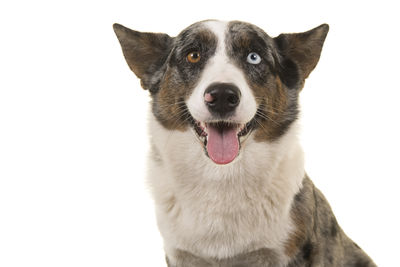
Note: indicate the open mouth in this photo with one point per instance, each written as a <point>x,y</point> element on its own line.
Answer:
<point>222,140</point>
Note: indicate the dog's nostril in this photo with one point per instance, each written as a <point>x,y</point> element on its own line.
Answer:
<point>233,100</point>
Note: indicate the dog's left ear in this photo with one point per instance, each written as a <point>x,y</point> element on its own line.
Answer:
<point>145,52</point>
<point>300,53</point>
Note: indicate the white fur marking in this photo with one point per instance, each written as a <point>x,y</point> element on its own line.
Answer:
<point>220,69</point>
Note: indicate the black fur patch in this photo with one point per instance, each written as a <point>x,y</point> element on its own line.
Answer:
<point>334,228</point>
<point>288,70</point>
<point>289,73</point>
<point>307,250</point>
<point>362,263</point>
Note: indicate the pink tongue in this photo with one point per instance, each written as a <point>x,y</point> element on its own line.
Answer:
<point>222,144</point>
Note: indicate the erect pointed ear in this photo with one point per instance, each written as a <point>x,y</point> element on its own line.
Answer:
<point>301,51</point>
<point>144,52</point>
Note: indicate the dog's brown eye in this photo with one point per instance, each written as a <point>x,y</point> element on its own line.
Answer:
<point>193,57</point>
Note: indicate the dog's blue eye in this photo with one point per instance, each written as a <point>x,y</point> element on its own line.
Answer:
<point>253,58</point>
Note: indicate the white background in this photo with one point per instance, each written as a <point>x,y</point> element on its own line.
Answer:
<point>73,138</point>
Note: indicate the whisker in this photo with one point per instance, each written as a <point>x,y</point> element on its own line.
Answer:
<point>163,106</point>
<point>265,116</point>
<point>263,128</point>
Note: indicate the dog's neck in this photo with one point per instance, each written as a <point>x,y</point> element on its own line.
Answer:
<point>218,211</point>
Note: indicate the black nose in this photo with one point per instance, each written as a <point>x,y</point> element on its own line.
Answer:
<point>222,98</point>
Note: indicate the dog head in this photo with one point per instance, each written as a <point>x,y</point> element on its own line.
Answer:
<point>223,80</point>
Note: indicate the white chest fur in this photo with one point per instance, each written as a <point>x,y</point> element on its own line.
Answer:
<point>219,211</point>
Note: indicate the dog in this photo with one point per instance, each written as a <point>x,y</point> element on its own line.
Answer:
<point>226,168</point>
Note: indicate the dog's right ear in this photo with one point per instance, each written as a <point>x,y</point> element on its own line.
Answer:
<point>144,52</point>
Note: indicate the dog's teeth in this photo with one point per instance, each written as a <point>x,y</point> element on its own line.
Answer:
<point>204,128</point>
<point>240,129</point>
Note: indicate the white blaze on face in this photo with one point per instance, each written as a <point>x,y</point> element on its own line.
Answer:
<point>220,69</point>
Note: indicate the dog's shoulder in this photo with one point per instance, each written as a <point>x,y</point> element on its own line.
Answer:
<point>318,239</point>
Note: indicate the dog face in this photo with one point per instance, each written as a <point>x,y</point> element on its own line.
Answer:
<point>223,81</point>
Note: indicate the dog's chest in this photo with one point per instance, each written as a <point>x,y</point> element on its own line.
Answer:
<point>223,218</point>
